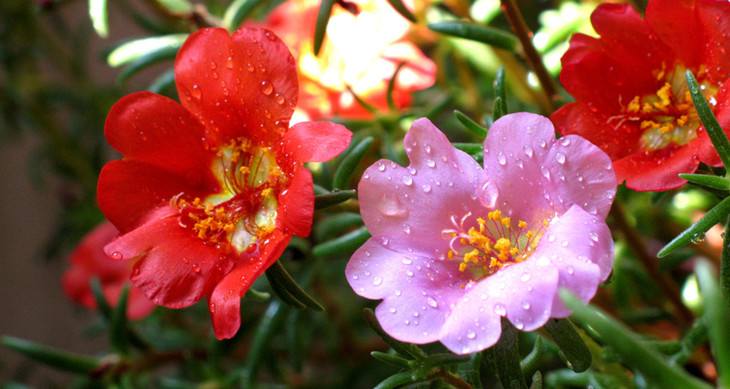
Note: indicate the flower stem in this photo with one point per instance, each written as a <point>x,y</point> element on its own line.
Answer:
<point>517,22</point>
<point>725,263</point>
<point>635,242</point>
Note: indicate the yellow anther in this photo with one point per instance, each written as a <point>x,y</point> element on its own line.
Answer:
<point>450,254</point>
<point>506,221</point>
<point>494,215</point>
<point>522,224</point>
<point>634,104</point>
<point>462,267</point>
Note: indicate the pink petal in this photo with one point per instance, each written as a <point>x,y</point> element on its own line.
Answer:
<point>417,291</point>
<point>522,156</point>
<point>409,207</point>
<point>522,292</point>
<point>579,245</point>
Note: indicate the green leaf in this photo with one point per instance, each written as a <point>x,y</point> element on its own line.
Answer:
<point>344,244</point>
<point>237,12</point>
<point>134,50</point>
<point>403,10</point>
<point>323,17</point>
<point>50,356</point>
<point>710,181</point>
<point>391,86</point>
<point>717,135</point>
<point>101,304</point>
<point>505,357</point>
<point>151,58</point>
<point>364,104</point>
<point>717,317</point>
<point>391,359</point>
<point>570,343</point>
<point>472,371</point>
<point>530,361</point>
<point>350,162</point>
<point>98,12</point>
<point>401,348</point>
<point>333,198</point>
<point>278,275</point>
<point>268,326</point>
<point>500,95</point>
<point>725,263</point>
<point>396,380</point>
<point>470,124</point>
<point>335,224</point>
<point>118,328</point>
<point>634,353</point>
<point>178,7</point>
<point>163,81</point>
<point>715,215</point>
<point>488,35</point>
<point>536,381</point>
<point>470,148</point>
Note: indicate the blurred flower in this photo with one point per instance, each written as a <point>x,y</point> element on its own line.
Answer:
<point>88,261</point>
<point>209,192</point>
<point>631,96</point>
<point>361,50</point>
<point>455,247</point>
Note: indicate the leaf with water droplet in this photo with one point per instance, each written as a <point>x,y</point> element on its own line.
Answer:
<point>715,215</point>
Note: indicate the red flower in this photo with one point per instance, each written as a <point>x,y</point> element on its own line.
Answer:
<point>88,261</point>
<point>362,50</point>
<point>631,96</point>
<point>209,192</point>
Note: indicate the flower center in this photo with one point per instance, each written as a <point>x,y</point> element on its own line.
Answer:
<point>491,244</point>
<point>245,209</point>
<point>668,116</point>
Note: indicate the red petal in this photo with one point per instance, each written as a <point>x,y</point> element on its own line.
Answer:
<point>714,16</point>
<point>676,23</point>
<point>296,205</point>
<point>659,171</point>
<point>579,119</point>
<point>599,77</point>
<point>225,302</point>
<point>173,268</point>
<point>316,141</point>
<point>245,85</point>
<point>128,190</point>
<point>154,129</point>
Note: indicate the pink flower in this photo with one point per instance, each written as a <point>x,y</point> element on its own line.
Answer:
<point>455,247</point>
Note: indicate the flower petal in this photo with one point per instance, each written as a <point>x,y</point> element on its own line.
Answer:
<point>658,171</point>
<point>128,190</point>
<point>316,141</point>
<point>713,17</point>
<point>417,291</point>
<point>522,292</point>
<point>225,301</point>
<point>676,23</point>
<point>522,156</point>
<point>409,207</point>
<point>296,205</point>
<point>580,246</point>
<point>154,129</point>
<point>173,267</point>
<point>244,85</point>
<point>617,140</point>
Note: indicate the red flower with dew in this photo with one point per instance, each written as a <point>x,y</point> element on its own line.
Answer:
<point>361,51</point>
<point>631,95</point>
<point>89,261</point>
<point>210,192</point>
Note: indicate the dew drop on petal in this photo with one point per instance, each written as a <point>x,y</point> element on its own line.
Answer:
<point>560,158</point>
<point>499,309</point>
<point>471,335</point>
<point>377,281</point>
<point>266,88</point>
<point>431,163</point>
<point>426,188</point>
<point>501,159</point>
<point>407,261</point>
<point>525,305</point>
<point>407,180</point>
<point>432,302</point>
<point>117,256</point>
<point>528,151</point>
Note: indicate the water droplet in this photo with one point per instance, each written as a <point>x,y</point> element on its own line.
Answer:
<point>426,188</point>
<point>407,229</point>
<point>266,88</point>
<point>431,163</point>
<point>499,309</point>
<point>116,255</point>
<point>393,310</point>
<point>432,302</point>
<point>407,180</point>
<point>528,151</point>
<point>525,305</point>
<point>565,141</point>
<point>389,205</point>
<point>381,167</point>
<point>196,91</point>
<point>560,158</point>
<point>229,62</point>
<point>377,281</point>
<point>571,270</point>
<point>471,335</point>
<point>593,236</point>
<point>427,148</point>
<point>407,261</point>
<point>501,159</point>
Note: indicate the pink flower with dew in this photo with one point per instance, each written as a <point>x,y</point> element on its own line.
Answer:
<point>456,247</point>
